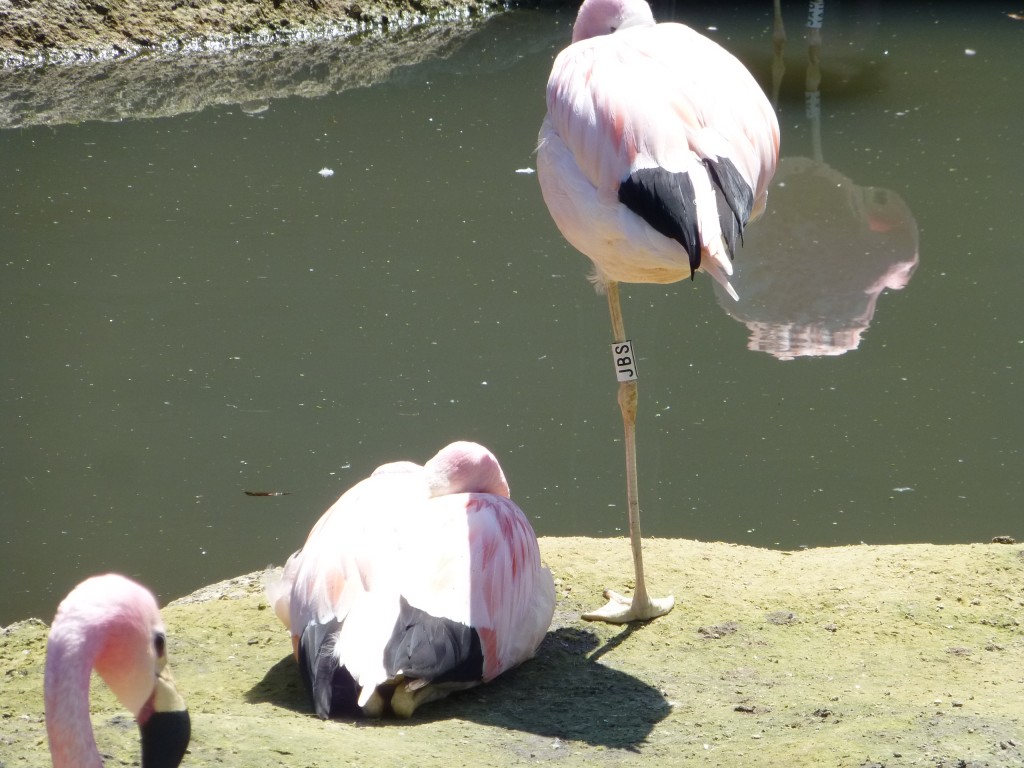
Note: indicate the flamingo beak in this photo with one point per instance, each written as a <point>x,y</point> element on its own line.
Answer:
<point>164,725</point>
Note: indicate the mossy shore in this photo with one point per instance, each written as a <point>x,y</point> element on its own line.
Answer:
<point>853,656</point>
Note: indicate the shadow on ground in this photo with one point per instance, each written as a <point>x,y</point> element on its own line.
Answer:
<point>565,693</point>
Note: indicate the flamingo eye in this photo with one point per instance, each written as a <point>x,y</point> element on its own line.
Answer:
<point>159,644</point>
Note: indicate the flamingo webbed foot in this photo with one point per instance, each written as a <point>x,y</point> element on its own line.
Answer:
<point>621,609</point>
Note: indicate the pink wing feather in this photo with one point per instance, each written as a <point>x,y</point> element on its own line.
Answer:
<point>483,568</point>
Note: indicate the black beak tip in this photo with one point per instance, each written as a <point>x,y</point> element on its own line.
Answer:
<point>165,738</point>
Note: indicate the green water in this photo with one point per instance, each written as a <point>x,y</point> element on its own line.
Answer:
<point>189,310</point>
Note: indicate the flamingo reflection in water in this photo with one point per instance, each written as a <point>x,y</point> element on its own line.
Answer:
<point>814,267</point>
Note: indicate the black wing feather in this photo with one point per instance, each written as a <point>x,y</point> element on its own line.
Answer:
<point>433,649</point>
<point>667,202</point>
<point>733,190</point>
<point>331,688</point>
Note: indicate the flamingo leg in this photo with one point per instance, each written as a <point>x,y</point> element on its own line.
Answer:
<point>778,52</point>
<point>621,609</point>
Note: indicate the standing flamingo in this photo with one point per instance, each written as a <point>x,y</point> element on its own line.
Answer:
<point>111,624</point>
<point>417,582</point>
<point>656,151</point>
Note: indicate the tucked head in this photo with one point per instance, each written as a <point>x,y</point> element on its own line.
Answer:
<point>602,17</point>
<point>465,467</point>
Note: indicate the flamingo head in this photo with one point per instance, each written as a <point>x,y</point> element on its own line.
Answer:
<point>465,467</point>
<point>602,17</point>
<point>112,624</point>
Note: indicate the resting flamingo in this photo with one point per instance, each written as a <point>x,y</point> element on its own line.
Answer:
<point>417,582</point>
<point>111,624</point>
<point>656,151</point>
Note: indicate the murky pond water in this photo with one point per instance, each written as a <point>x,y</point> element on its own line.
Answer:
<point>189,310</point>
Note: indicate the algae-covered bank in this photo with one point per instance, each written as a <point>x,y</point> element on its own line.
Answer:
<point>852,656</point>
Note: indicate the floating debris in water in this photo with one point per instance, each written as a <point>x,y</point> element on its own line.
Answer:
<point>268,493</point>
<point>325,172</point>
<point>254,106</point>
<point>525,170</point>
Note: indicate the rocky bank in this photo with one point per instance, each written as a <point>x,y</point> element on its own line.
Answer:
<point>61,31</point>
<point>69,61</point>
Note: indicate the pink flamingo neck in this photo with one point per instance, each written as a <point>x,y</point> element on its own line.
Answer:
<point>69,661</point>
